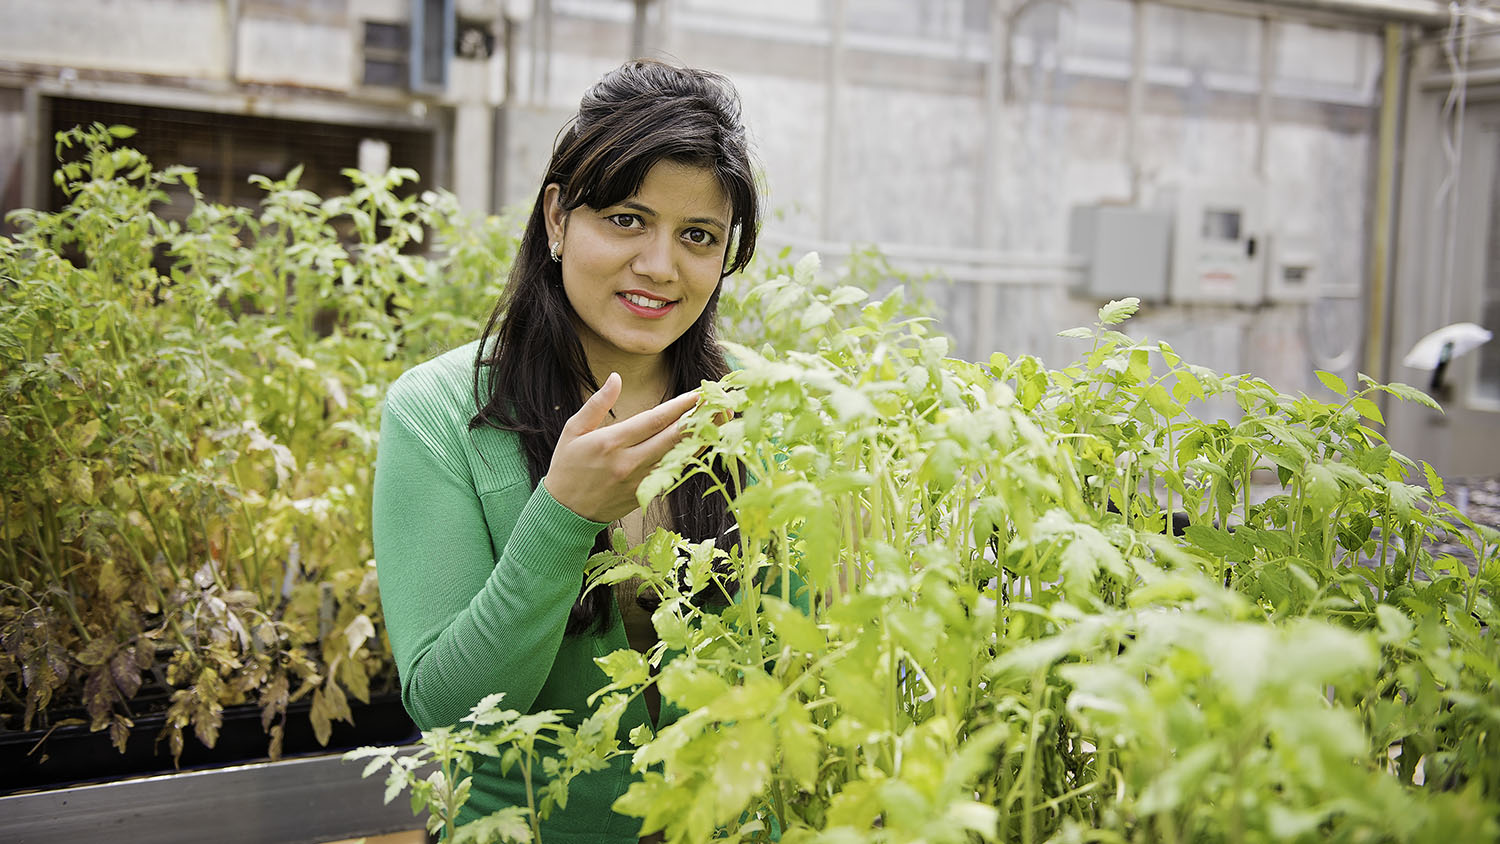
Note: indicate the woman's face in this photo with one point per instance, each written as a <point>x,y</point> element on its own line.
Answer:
<point>639,273</point>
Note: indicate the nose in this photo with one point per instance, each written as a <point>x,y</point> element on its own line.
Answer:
<point>656,259</point>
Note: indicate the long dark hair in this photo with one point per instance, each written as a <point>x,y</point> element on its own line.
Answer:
<point>531,373</point>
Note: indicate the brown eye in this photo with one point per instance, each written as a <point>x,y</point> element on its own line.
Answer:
<point>700,237</point>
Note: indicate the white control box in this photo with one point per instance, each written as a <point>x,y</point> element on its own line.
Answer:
<point>1218,245</point>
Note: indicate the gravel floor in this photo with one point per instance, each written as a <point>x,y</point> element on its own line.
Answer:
<point>1477,498</point>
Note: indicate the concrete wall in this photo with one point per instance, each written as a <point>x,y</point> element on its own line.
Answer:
<point>182,38</point>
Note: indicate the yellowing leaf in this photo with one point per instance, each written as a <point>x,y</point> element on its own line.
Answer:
<point>81,482</point>
<point>359,631</point>
<point>86,434</point>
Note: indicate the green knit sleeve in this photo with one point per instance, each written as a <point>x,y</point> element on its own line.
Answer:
<point>462,623</point>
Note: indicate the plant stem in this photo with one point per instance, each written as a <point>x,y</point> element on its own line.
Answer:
<point>1474,577</point>
<point>1385,542</point>
<point>528,755</point>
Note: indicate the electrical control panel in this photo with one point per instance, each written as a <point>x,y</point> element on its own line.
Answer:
<point>1126,250</point>
<point>1218,245</point>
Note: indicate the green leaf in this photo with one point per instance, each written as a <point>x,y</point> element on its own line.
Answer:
<point>795,629</point>
<point>1182,780</point>
<point>816,315</point>
<point>1119,310</point>
<point>1169,354</point>
<point>1161,402</point>
<point>671,627</point>
<point>1332,382</point>
<point>1138,371</point>
<point>801,750</point>
<point>806,269</point>
<point>509,825</point>
<point>1395,627</point>
<point>1406,392</point>
<point>1219,542</point>
<point>1434,482</point>
<point>640,735</point>
<point>1321,489</point>
<point>1368,410</point>
<point>1404,498</point>
<point>395,783</point>
<point>846,295</point>
<point>1077,333</point>
<point>624,667</point>
<point>688,686</point>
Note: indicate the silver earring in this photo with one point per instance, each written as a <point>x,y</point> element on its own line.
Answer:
<point>556,251</point>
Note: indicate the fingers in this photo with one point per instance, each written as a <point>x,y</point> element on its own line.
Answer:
<point>596,409</point>
<point>650,451</point>
<point>648,423</point>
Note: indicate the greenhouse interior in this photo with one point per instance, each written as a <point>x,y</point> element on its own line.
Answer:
<point>814,421</point>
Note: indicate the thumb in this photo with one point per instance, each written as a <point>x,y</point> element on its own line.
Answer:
<point>596,409</point>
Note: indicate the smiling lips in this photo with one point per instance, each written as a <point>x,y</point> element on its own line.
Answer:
<point>643,305</point>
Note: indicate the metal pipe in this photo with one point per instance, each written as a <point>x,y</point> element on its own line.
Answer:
<point>833,81</point>
<point>638,29</point>
<point>1424,12</point>
<point>1385,183</point>
<point>1136,101</point>
<point>1264,98</point>
<point>1421,12</point>
<point>547,20</point>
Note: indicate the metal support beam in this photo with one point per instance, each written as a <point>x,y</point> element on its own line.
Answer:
<point>232,15</point>
<point>35,149</point>
<point>1376,349</point>
<point>986,231</point>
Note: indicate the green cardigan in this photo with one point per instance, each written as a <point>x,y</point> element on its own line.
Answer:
<point>478,572</point>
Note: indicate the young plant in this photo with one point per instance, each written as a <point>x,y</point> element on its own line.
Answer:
<point>437,770</point>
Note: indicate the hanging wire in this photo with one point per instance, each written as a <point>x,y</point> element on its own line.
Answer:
<point>1456,51</point>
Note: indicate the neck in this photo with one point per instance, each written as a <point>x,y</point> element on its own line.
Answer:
<point>645,380</point>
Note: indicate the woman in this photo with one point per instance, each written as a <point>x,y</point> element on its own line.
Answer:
<point>502,463</point>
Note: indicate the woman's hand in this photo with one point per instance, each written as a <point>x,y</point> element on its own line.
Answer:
<point>595,471</point>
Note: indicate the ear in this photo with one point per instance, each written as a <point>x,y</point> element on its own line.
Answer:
<point>553,213</point>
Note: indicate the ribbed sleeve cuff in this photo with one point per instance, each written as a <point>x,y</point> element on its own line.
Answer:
<point>550,539</point>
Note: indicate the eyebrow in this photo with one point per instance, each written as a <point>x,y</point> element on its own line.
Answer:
<point>645,209</point>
